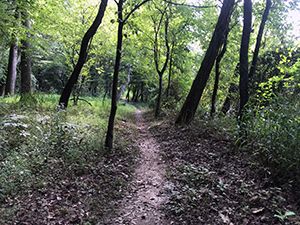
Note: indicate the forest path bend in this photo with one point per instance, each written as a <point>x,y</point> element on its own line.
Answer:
<point>142,204</point>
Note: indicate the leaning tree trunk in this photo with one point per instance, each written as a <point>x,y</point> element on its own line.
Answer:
<point>110,128</point>
<point>25,64</point>
<point>10,85</point>
<point>65,96</point>
<point>259,38</point>
<point>192,101</point>
<point>244,51</point>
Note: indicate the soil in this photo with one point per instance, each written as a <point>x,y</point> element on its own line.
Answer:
<point>142,204</point>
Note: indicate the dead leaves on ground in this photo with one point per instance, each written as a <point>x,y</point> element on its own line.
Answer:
<point>75,194</point>
<point>216,184</point>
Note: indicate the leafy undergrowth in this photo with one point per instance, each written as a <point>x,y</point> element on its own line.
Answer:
<point>214,183</point>
<point>53,169</point>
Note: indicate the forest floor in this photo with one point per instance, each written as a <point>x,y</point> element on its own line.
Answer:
<point>157,174</point>
<point>195,175</point>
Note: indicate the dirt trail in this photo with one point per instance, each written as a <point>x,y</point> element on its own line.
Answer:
<point>142,204</point>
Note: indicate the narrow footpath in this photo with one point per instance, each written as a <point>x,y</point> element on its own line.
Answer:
<point>142,204</point>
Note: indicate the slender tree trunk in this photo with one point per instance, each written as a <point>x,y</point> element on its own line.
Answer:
<point>25,64</point>
<point>170,72</point>
<point>142,92</point>
<point>110,128</point>
<point>65,96</point>
<point>161,71</point>
<point>137,93</point>
<point>244,51</point>
<point>105,93</point>
<point>217,77</point>
<point>122,21</point>
<point>133,93</point>
<point>233,88</point>
<point>157,109</point>
<point>259,37</point>
<point>10,85</point>
<point>2,89</point>
<point>192,101</point>
<point>128,94</point>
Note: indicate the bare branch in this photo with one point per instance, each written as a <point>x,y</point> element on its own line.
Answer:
<point>156,33</point>
<point>167,45</point>
<point>136,7</point>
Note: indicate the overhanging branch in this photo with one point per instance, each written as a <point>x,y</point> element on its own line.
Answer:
<point>189,5</point>
<point>136,7</point>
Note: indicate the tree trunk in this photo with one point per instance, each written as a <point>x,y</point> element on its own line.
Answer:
<point>25,64</point>
<point>65,96</point>
<point>2,89</point>
<point>161,71</point>
<point>244,51</point>
<point>158,102</point>
<point>170,72</point>
<point>110,128</point>
<point>142,92</point>
<point>133,93</point>
<point>259,37</point>
<point>105,93</point>
<point>128,94</point>
<point>121,21</point>
<point>137,93</point>
<point>192,101</point>
<point>217,77</point>
<point>233,88</point>
<point>10,85</point>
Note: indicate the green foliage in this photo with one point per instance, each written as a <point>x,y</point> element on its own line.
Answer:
<point>32,140</point>
<point>284,216</point>
<point>275,128</point>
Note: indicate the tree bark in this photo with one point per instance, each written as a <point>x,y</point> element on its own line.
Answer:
<point>122,21</point>
<point>157,109</point>
<point>65,96</point>
<point>133,93</point>
<point>2,89</point>
<point>142,92</point>
<point>161,71</point>
<point>128,94</point>
<point>25,64</point>
<point>244,51</point>
<point>217,77</point>
<point>191,103</point>
<point>10,85</point>
<point>170,71</point>
<point>233,88</point>
<point>259,37</point>
<point>110,128</point>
